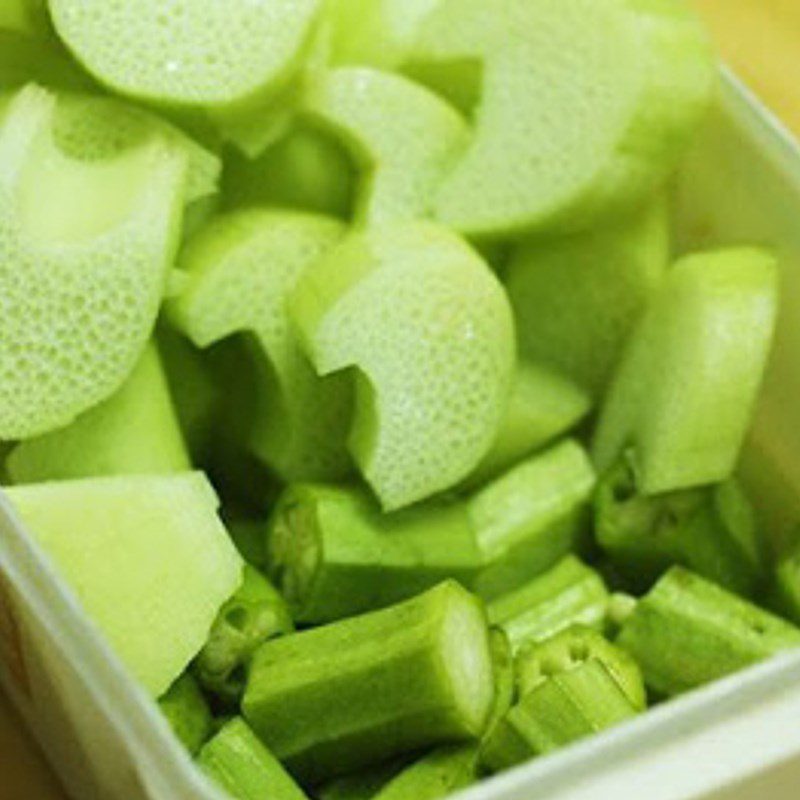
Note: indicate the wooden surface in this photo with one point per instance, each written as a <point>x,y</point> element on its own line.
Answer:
<point>761,40</point>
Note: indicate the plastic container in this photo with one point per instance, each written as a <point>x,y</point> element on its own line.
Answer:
<point>107,740</point>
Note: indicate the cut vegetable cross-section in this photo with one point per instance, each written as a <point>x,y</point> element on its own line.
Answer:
<point>430,330</point>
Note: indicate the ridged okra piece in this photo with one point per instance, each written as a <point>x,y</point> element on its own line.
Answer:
<point>187,712</point>
<point>255,613</point>
<point>712,530</point>
<point>569,649</point>
<point>530,517</point>
<point>362,785</point>
<point>687,632</point>
<point>239,763</point>
<point>334,554</point>
<point>787,584</point>
<point>559,711</point>
<point>335,699</point>
<point>436,775</point>
<point>569,593</point>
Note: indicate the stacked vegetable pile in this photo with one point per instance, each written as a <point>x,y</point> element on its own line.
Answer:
<point>396,278</point>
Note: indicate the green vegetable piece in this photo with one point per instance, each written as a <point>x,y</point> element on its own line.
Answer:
<point>362,785</point>
<point>248,535</point>
<point>332,700</point>
<point>529,518</point>
<point>147,558</point>
<point>229,59</point>
<point>86,237</point>
<point>239,763</point>
<point>446,341</point>
<point>301,420</point>
<point>559,711</point>
<point>571,648</point>
<point>404,138</point>
<point>542,407</point>
<point>586,106</point>
<point>687,632</point>
<point>684,393</point>
<point>26,58</point>
<point>576,299</point>
<point>334,554</point>
<point>787,584</point>
<point>255,613</point>
<point>712,530</point>
<point>23,16</point>
<point>436,775</point>
<point>134,432</point>
<point>505,679</point>
<point>306,169</point>
<point>188,713</point>
<point>567,594</point>
<point>379,33</point>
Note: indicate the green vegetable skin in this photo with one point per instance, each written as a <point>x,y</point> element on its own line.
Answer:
<point>188,713</point>
<point>687,632</point>
<point>569,593</point>
<point>238,762</point>
<point>255,613</point>
<point>682,398</point>
<point>408,677</point>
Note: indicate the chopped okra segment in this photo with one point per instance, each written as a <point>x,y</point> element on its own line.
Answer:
<point>187,713</point>
<point>712,530</point>
<point>787,584</point>
<point>570,592</point>
<point>427,329</point>
<point>569,649</point>
<point>403,137</point>
<point>237,761</point>
<point>25,57</point>
<point>255,613</point>
<point>577,298</point>
<point>23,16</point>
<point>89,222</point>
<point>687,632</point>
<point>334,554</point>
<point>584,116</point>
<point>301,420</point>
<point>530,517</point>
<point>562,709</point>
<point>436,775</point>
<point>152,564</point>
<point>684,393</point>
<point>542,407</point>
<point>134,432</point>
<point>335,699</point>
<point>362,785</point>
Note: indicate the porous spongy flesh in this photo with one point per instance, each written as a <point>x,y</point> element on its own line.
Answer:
<point>85,244</point>
<point>430,330</point>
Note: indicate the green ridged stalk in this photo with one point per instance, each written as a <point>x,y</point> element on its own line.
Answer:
<point>187,712</point>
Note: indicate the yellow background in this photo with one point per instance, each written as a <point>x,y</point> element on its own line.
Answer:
<point>761,39</point>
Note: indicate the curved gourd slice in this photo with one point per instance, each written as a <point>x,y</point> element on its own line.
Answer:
<point>585,108</point>
<point>86,239</point>
<point>429,328</point>
<point>146,556</point>
<point>404,137</point>
<point>240,272</point>
<point>135,431</point>
<point>225,57</point>
<point>684,393</point>
<point>577,298</point>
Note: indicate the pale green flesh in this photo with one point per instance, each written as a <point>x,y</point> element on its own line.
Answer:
<point>133,432</point>
<point>433,385</point>
<point>684,392</point>
<point>84,263</point>
<point>302,420</point>
<point>147,558</point>
<point>585,106</point>
<point>404,138</point>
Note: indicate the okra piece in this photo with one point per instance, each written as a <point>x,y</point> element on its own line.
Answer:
<point>787,584</point>
<point>255,613</point>
<point>569,593</point>
<point>362,785</point>
<point>504,676</point>
<point>687,632</point>
<point>569,649</point>
<point>334,554</point>
<point>529,518</point>
<point>187,712</point>
<point>239,763</point>
<point>561,710</point>
<point>711,530</point>
<point>332,700</point>
<point>437,775</point>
